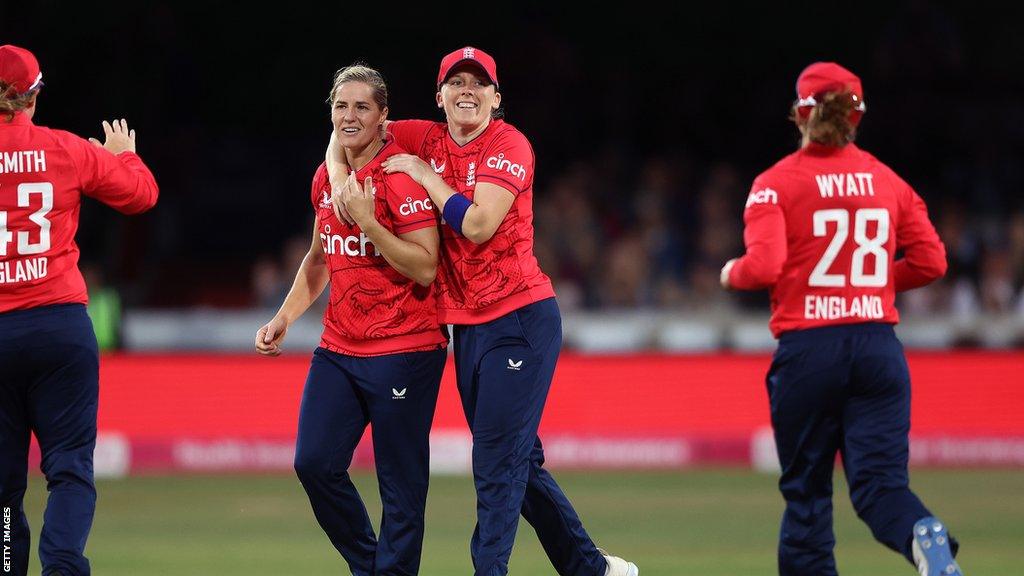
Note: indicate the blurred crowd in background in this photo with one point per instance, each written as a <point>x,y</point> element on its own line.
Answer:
<point>659,242</point>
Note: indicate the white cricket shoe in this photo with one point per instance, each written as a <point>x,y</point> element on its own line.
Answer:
<point>932,554</point>
<point>618,567</point>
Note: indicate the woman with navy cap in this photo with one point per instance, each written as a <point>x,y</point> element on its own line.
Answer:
<point>479,171</point>
<point>48,353</point>
<point>823,227</point>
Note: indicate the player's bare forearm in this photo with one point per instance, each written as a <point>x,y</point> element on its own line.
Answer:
<point>438,190</point>
<point>310,281</point>
<point>490,205</point>
<point>337,174</point>
<point>337,168</point>
<point>416,261</point>
<point>476,230</point>
<point>479,220</point>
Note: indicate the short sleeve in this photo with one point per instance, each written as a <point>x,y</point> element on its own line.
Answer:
<point>409,204</point>
<point>508,162</point>
<point>317,194</point>
<point>410,134</point>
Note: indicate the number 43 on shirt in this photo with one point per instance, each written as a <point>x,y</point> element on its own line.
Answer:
<point>25,246</point>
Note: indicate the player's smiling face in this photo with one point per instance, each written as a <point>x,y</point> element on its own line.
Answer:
<point>468,97</point>
<point>356,115</point>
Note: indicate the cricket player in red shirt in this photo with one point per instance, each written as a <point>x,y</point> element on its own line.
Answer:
<point>48,355</point>
<point>382,352</point>
<point>507,327</point>
<point>823,227</point>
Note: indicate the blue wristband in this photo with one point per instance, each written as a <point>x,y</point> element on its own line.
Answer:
<point>455,211</point>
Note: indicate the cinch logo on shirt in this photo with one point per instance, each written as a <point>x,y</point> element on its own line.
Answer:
<point>499,162</point>
<point>346,245</point>
<point>766,196</point>
<point>413,206</point>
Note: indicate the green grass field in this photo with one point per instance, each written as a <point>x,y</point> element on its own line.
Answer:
<point>707,522</point>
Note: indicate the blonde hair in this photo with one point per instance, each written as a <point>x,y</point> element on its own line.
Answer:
<point>11,102</point>
<point>360,72</point>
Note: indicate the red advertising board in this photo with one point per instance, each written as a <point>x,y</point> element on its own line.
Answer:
<point>235,412</point>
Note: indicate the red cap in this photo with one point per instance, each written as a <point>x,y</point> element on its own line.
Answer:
<point>468,54</point>
<point>19,68</point>
<point>822,77</point>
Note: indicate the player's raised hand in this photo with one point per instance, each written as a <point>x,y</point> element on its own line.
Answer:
<point>270,337</point>
<point>117,137</point>
<point>359,200</point>
<point>415,167</point>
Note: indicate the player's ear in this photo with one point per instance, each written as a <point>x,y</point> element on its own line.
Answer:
<point>440,101</point>
<point>383,116</point>
<point>497,101</point>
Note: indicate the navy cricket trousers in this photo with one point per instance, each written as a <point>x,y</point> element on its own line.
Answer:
<point>49,384</point>
<point>504,369</point>
<point>397,394</point>
<point>841,389</point>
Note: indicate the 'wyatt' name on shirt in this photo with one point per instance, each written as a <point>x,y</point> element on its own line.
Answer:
<point>842,185</point>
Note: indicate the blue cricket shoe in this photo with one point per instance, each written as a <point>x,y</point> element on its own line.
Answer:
<point>931,549</point>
